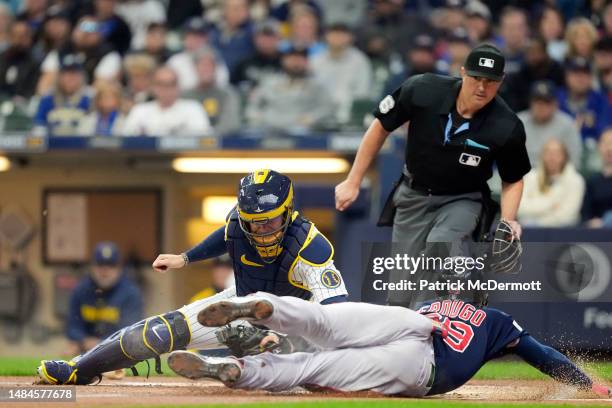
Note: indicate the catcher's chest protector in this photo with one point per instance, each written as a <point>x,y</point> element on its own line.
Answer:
<point>252,274</point>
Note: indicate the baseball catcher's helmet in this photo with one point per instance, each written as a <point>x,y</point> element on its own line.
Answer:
<point>506,251</point>
<point>265,207</point>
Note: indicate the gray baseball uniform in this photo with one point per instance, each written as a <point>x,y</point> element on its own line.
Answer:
<point>392,353</point>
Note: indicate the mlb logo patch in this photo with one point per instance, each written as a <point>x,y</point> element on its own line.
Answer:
<point>486,62</point>
<point>469,159</point>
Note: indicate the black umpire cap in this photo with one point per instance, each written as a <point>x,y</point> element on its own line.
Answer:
<point>486,61</point>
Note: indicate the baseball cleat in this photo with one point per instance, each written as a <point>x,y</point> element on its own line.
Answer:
<point>193,366</point>
<point>225,311</point>
<point>57,372</point>
<point>602,390</point>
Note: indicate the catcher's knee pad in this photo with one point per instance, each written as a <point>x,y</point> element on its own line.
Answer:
<point>156,335</point>
<point>141,341</point>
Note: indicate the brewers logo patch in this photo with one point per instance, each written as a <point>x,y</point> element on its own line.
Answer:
<point>330,279</point>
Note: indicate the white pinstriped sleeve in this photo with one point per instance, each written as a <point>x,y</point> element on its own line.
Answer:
<point>323,281</point>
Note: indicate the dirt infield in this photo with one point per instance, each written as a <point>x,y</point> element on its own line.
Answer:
<point>139,391</point>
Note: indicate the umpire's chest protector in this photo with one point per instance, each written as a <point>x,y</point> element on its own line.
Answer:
<point>251,274</point>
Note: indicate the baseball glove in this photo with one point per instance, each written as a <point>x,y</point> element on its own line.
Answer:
<point>250,340</point>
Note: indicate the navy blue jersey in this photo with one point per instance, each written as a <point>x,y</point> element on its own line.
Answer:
<point>476,335</point>
<point>99,313</point>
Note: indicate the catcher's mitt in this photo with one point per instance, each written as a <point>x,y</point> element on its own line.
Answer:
<point>247,340</point>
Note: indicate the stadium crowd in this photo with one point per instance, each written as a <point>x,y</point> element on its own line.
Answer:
<point>201,67</point>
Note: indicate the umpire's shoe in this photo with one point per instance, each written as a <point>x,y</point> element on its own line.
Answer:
<point>58,372</point>
<point>225,311</point>
<point>192,365</point>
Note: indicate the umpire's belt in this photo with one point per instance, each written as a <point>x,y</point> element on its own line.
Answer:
<point>421,188</point>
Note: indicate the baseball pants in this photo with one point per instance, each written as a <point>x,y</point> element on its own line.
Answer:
<point>202,337</point>
<point>421,219</point>
<point>369,347</point>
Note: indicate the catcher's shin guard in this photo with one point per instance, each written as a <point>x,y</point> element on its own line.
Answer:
<point>141,341</point>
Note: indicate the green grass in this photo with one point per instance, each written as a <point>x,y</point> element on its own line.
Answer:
<point>496,370</point>
<point>26,366</point>
<point>517,370</point>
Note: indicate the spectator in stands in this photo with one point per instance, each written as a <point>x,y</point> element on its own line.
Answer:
<point>19,69</point>
<point>597,205</point>
<point>222,277</point>
<point>102,302</point>
<point>179,12</point>
<point>420,59</point>
<point>56,30</point>
<point>195,37</point>
<point>478,23</point>
<point>606,17</point>
<point>291,100</point>
<point>580,36</point>
<point>343,70</point>
<point>551,28</point>
<point>106,118</point>
<point>538,66</point>
<point>284,11</point>
<point>388,17</point>
<point>603,65</point>
<point>33,12</point>
<point>222,104</point>
<point>606,82</point>
<point>544,121</point>
<point>139,14</point>
<point>6,19</point>
<point>349,12</point>
<point>259,10</point>
<point>457,49</point>
<point>139,69</point>
<point>100,61</point>
<point>304,30</point>
<point>514,30</point>
<point>167,115</point>
<point>553,190</point>
<point>155,43</point>
<point>233,37</point>
<point>266,60</point>
<point>589,108</point>
<point>385,63</point>
<point>60,113</point>
<point>453,16</point>
<point>113,28</point>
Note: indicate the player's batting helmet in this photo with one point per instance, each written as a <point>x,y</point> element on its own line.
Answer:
<point>265,208</point>
<point>506,251</point>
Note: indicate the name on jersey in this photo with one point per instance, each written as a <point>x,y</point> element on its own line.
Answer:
<point>456,309</point>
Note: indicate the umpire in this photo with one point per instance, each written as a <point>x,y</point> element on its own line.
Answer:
<point>459,129</point>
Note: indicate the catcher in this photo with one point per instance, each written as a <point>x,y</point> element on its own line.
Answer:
<point>388,349</point>
<point>273,249</point>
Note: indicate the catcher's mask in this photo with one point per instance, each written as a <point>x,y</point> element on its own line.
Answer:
<point>265,207</point>
<point>506,251</point>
